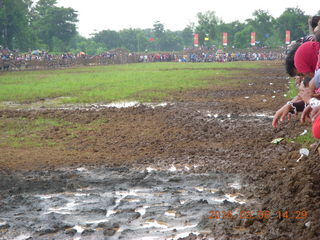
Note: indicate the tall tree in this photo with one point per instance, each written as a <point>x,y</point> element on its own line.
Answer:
<point>207,26</point>
<point>14,28</point>
<point>263,24</point>
<point>242,38</point>
<point>231,28</point>
<point>295,20</point>
<point>187,36</point>
<point>171,41</point>
<point>108,38</point>
<point>52,22</point>
<point>158,31</point>
<point>130,39</point>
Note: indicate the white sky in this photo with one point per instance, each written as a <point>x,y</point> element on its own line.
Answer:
<point>97,15</point>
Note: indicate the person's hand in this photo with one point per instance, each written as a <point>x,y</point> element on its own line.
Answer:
<point>316,95</point>
<point>281,115</point>
<point>315,113</point>
<point>305,116</point>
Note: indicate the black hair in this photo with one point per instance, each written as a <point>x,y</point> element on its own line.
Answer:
<point>317,35</point>
<point>289,62</point>
<point>314,22</point>
<point>306,81</point>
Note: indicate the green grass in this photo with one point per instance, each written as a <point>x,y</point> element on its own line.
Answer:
<point>19,132</point>
<point>293,90</point>
<point>113,83</point>
<point>141,82</point>
<point>304,140</point>
<point>26,132</point>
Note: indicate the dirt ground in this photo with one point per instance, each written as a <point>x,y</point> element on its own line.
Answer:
<point>220,129</point>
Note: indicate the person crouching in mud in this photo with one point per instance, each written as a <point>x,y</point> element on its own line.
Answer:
<point>306,64</point>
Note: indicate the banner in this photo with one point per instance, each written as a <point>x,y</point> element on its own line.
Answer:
<point>196,40</point>
<point>225,39</point>
<point>287,37</point>
<point>253,38</point>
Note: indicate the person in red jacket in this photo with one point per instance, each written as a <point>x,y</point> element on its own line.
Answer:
<point>312,112</point>
<point>305,62</point>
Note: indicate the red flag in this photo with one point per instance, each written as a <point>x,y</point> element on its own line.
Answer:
<point>225,39</point>
<point>196,40</point>
<point>287,37</point>
<point>151,39</point>
<point>253,39</point>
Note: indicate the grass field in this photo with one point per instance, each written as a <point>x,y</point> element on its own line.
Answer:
<point>141,82</point>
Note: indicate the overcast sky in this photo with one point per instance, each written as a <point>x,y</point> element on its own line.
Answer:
<point>97,15</point>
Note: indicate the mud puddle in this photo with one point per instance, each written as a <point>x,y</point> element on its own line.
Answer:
<point>114,203</point>
<point>55,104</point>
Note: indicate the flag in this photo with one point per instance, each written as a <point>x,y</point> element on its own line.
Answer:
<point>225,39</point>
<point>253,39</point>
<point>196,40</point>
<point>287,37</point>
<point>151,39</point>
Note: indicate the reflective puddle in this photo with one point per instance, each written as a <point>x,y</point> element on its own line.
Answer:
<point>120,204</point>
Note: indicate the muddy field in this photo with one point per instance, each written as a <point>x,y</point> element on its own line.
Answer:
<point>164,171</point>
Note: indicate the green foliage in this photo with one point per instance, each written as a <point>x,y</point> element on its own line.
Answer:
<point>207,26</point>
<point>133,39</point>
<point>31,24</point>
<point>263,25</point>
<point>187,36</point>
<point>242,38</point>
<point>108,38</point>
<point>82,44</point>
<point>14,29</point>
<point>295,20</point>
<point>51,23</point>
<point>231,28</point>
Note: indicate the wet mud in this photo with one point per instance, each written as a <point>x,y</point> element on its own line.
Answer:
<point>200,166</point>
<point>115,203</point>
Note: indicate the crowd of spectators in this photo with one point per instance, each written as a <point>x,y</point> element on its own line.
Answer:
<point>213,56</point>
<point>13,60</point>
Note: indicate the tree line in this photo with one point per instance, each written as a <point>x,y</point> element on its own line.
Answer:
<point>26,25</point>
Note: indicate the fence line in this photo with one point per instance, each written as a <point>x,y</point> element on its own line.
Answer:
<point>12,63</point>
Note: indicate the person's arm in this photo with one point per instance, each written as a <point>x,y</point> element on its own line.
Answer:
<point>312,111</point>
<point>284,112</point>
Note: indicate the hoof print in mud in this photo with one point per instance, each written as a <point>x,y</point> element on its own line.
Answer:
<point>70,231</point>
<point>87,232</point>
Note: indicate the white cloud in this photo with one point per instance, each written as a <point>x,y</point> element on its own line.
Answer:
<point>174,14</point>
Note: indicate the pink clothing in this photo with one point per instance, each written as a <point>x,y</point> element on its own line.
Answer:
<point>316,128</point>
<point>306,57</point>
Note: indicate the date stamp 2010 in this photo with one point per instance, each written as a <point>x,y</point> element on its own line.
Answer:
<point>248,214</point>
